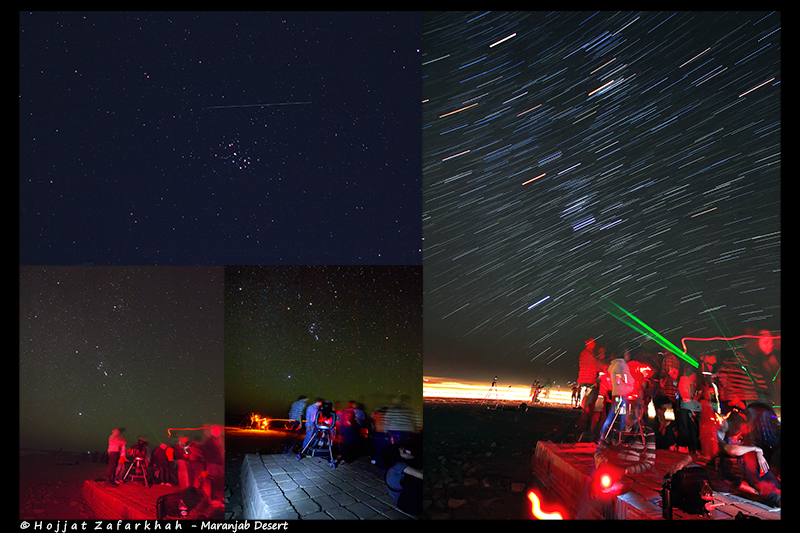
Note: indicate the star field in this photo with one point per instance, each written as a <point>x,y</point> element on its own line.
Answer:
<point>338,332</point>
<point>140,142</point>
<point>572,158</point>
<point>102,347</point>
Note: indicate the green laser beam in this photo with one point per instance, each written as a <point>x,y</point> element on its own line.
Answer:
<point>639,326</point>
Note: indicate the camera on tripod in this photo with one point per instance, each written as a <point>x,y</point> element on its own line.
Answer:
<point>139,466</point>
<point>139,450</point>
<point>326,418</point>
<point>325,422</point>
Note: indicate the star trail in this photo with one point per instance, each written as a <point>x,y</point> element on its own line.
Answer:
<point>574,158</point>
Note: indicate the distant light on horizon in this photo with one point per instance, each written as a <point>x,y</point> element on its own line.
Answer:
<point>511,393</point>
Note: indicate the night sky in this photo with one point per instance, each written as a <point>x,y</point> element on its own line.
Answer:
<point>220,138</point>
<point>338,332</point>
<point>101,347</point>
<point>574,161</point>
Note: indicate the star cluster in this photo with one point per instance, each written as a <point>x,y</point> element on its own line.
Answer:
<point>576,159</point>
<point>141,141</point>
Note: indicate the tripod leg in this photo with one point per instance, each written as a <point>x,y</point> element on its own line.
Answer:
<point>330,450</point>
<point>303,451</point>
<point>613,421</point>
<point>128,471</point>
<point>309,444</point>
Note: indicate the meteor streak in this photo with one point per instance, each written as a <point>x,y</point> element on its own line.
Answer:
<point>255,105</point>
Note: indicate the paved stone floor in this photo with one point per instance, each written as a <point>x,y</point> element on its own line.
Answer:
<point>279,487</point>
<point>134,501</point>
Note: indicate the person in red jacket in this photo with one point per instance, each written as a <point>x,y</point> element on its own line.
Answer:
<point>587,371</point>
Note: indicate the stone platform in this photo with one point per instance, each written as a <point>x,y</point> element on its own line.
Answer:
<point>279,487</point>
<point>133,501</point>
<point>564,470</point>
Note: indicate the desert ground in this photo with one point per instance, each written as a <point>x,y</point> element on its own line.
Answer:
<point>51,484</point>
<point>477,459</point>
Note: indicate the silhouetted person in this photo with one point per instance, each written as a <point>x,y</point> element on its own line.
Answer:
<point>741,382</point>
<point>670,374</point>
<point>404,476</point>
<point>763,354</point>
<point>401,422</point>
<point>296,412</point>
<point>351,430</point>
<point>162,464</point>
<point>311,420</point>
<point>666,431</point>
<point>690,409</point>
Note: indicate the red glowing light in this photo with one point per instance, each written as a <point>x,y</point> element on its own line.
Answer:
<point>539,513</point>
<point>215,429</point>
<point>606,479</point>
<point>763,338</point>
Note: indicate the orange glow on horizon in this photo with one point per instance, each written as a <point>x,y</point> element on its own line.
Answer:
<point>264,423</point>
<point>451,389</point>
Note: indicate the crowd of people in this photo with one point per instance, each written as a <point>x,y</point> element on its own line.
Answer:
<point>196,464</point>
<point>391,437</point>
<point>721,410</point>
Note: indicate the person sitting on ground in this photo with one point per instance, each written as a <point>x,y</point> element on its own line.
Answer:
<point>404,476</point>
<point>666,431</point>
<point>742,466</point>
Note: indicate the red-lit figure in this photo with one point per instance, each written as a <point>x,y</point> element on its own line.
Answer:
<point>162,464</point>
<point>213,452</point>
<point>688,392</point>
<point>742,464</point>
<point>116,453</point>
<point>181,456</point>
